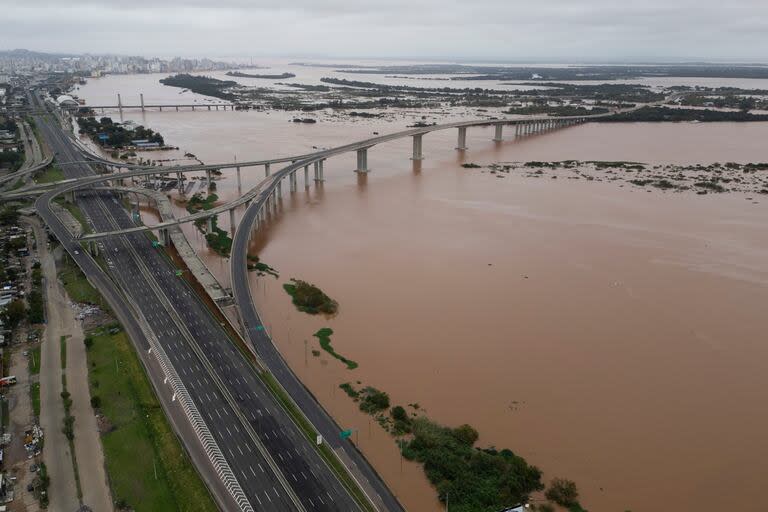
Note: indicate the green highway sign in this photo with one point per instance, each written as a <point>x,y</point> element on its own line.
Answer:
<point>346,433</point>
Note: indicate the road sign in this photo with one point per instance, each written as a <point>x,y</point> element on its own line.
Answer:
<point>346,433</point>
<point>179,273</point>
<point>259,327</point>
<point>155,244</point>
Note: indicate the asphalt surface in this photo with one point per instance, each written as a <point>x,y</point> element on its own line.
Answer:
<point>276,466</point>
<point>256,334</point>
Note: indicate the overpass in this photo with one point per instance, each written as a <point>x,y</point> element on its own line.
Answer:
<point>272,184</point>
<point>249,450</point>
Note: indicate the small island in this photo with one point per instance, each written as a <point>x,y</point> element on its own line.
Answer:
<point>204,85</point>
<point>309,298</point>
<point>267,77</point>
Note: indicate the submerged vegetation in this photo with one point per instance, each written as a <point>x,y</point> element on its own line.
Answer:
<point>261,268</point>
<point>216,238</point>
<point>666,114</point>
<point>698,178</point>
<point>473,479</point>
<point>324,336</point>
<point>309,298</point>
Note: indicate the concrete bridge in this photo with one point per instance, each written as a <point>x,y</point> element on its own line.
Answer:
<point>272,185</point>
<point>168,106</point>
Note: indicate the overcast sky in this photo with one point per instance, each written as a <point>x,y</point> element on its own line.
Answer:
<point>506,30</point>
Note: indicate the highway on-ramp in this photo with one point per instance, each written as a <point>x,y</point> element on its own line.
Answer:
<point>274,464</point>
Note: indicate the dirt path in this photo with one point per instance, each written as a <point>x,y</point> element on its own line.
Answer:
<point>88,449</point>
<point>56,454</point>
<point>90,456</point>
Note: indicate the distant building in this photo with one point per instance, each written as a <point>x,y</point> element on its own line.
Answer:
<point>66,100</point>
<point>147,145</point>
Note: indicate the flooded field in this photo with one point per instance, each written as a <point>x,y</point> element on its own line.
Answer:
<point>608,334</point>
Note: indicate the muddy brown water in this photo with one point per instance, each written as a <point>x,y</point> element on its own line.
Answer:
<point>608,334</point>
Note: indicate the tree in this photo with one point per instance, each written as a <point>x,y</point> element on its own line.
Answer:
<point>14,313</point>
<point>9,216</point>
<point>399,414</point>
<point>465,434</point>
<point>563,492</point>
<point>746,104</point>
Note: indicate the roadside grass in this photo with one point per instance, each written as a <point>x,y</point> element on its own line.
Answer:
<point>76,212</point>
<point>148,470</point>
<point>19,183</point>
<point>77,286</point>
<point>63,348</point>
<point>34,393</point>
<point>34,360</point>
<point>51,174</point>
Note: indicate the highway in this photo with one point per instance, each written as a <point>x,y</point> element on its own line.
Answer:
<point>275,466</point>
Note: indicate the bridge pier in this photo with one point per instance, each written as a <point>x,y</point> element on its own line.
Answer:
<point>120,104</point>
<point>497,135</point>
<point>292,182</point>
<point>239,184</point>
<point>93,248</point>
<point>208,179</point>
<point>266,169</point>
<point>306,175</point>
<point>461,145</point>
<point>362,160</point>
<point>417,145</point>
<point>141,95</point>
<point>232,220</point>
<point>280,188</point>
<point>322,170</point>
<point>209,108</point>
<point>165,237</point>
<point>193,108</point>
<point>209,225</point>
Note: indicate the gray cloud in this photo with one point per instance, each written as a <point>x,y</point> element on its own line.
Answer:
<point>450,29</point>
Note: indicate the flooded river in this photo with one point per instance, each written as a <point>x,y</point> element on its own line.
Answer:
<point>608,334</point>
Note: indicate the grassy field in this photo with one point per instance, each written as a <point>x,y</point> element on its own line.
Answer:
<point>34,393</point>
<point>147,468</point>
<point>63,349</point>
<point>51,174</point>
<point>77,213</point>
<point>34,360</point>
<point>77,286</point>
<point>19,183</point>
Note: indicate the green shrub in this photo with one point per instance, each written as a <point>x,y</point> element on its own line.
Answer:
<point>563,492</point>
